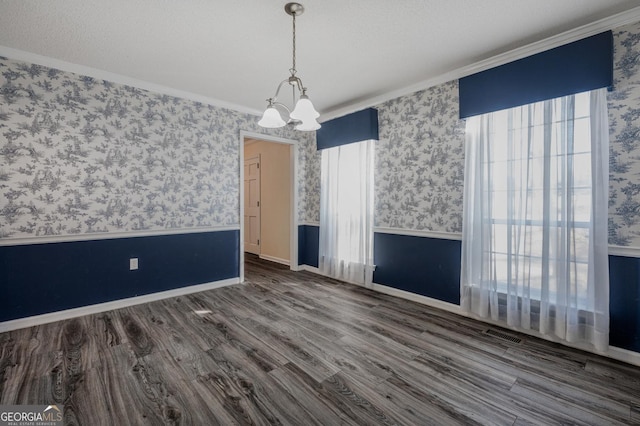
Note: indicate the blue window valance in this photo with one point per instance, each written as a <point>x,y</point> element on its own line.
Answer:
<point>576,67</point>
<point>356,127</point>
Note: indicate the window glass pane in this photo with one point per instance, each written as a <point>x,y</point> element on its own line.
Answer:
<point>537,173</point>
<point>582,170</point>
<point>536,114</point>
<point>582,104</point>
<point>500,238</point>
<point>534,241</point>
<point>581,244</point>
<point>582,136</point>
<point>499,137</point>
<point>580,275</point>
<point>528,271</point>
<point>501,267</point>
<point>499,205</point>
<point>499,176</point>
<point>582,205</point>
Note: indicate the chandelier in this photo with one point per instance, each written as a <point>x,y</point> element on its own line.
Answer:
<point>304,115</point>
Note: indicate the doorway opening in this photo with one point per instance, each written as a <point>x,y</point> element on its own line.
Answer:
<point>268,199</point>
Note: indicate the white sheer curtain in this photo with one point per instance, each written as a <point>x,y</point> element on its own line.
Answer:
<point>534,244</point>
<point>346,212</point>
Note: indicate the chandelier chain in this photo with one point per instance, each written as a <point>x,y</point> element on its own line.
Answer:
<point>293,69</point>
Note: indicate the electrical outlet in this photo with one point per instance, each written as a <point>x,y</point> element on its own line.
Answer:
<point>133,264</point>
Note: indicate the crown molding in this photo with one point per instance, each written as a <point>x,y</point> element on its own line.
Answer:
<point>605,24</point>
<point>47,61</point>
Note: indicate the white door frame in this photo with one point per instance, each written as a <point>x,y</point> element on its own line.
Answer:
<point>293,214</point>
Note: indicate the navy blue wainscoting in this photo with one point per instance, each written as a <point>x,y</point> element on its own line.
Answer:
<point>431,267</point>
<point>426,266</point>
<point>624,302</point>
<point>308,245</point>
<point>43,278</point>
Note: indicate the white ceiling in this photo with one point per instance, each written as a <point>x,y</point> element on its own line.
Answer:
<point>350,52</point>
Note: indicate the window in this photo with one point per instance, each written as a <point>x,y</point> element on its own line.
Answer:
<point>346,212</point>
<point>535,219</point>
<point>521,161</point>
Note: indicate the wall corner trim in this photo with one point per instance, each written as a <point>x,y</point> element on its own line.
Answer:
<point>109,306</point>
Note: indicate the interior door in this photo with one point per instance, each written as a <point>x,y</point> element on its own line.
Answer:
<point>252,205</point>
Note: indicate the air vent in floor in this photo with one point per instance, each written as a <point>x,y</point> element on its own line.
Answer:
<point>502,336</point>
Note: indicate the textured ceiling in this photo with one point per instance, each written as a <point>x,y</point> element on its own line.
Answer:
<point>237,52</point>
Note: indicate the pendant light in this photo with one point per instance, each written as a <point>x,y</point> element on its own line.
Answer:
<point>304,115</point>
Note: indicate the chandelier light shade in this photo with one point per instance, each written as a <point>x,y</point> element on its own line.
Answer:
<point>304,109</point>
<point>304,115</point>
<point>271,118</point>
<point>308,126</point>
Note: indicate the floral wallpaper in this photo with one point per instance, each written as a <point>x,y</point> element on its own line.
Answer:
<point>308,196</point>
<point>420,161</point>
<point>624,127</point>
<point>80,155</point>
<point>312,165</point>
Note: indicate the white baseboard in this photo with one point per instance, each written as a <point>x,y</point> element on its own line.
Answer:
<point>620,354</point>
<point>311,269</point>
<point>624,355</point>
<point>108,306</point>
<point>407,295</point>
<point>275,259</point>
<point>613,352</point>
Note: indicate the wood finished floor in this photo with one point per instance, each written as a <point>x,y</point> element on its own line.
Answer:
<point>299,349</point>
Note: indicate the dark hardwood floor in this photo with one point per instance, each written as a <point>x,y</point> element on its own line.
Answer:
<point>299,349</point>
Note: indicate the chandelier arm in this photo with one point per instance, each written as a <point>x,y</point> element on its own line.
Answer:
<point>283,106</point>
<point>280,104</point>
<point>298,82</point>
<point>291,80</point>
<point>275,97</point>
